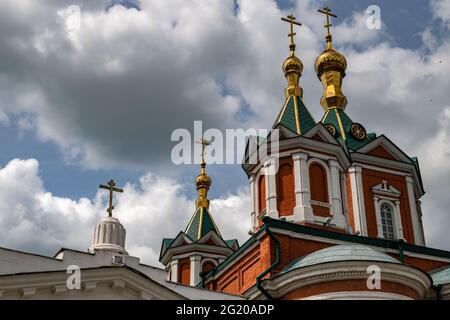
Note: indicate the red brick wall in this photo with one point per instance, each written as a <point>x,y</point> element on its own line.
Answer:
<point>207,266</point>
<point>370,179</point>
<point>285,188</point>
<point>348,285</point>
<point>351,213</point>
<point>318,182</point>
<point>262,193</point>
<point>241,276</point>
<point>381,152</point>
<point>184,272</point>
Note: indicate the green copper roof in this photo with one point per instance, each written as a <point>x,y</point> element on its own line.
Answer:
<point>166,244</point>
<point>441,277</point>
<point>201,223</point>
<point>342,122</point>
<point>295,116</point>
<point>341,253</point>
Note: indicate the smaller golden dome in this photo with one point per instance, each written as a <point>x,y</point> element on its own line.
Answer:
<point>292,64</point>
<point>330,60</point>
<point>203,180</point>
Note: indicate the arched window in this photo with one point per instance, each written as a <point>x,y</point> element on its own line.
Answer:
<point>262,193</point>
<point>285,190</point>
<point>387,222</point>
<point>318,183</point>
<point>208,266</point>
<point>185,273</point>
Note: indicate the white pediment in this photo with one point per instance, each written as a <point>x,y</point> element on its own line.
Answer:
<point>320,130</point>
<point>385,189</point>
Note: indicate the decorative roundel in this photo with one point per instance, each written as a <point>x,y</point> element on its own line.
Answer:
<point>358,131</point>
<point>331,129</point>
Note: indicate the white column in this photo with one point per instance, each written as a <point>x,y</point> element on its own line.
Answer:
<point>413,208</point>
<point>378,217</point>
<point>336,200</point>
<point>270,170</point>
<point>253,204</point>
<point>174,270</point>
<point>303,210</point>
<point>344,201</point>
<point>398,221</point>
<point>195,270</point>
<point>419,213</point>
<point>358,199</point>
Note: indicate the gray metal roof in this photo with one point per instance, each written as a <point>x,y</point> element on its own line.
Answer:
<point>341,253</point>
<point>441,277</point>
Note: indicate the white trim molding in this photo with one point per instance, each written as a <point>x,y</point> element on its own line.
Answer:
<point>195,269</point>
<point>174,270</point>
<point>359,211</point>
<point>303,210</point>
<point>358,295</point>
<point>385,193</point>
<point>396,218</point>
<point>417,228</point>
<point>403,275</point>
<point>270,169</point>
<point>254,196</point>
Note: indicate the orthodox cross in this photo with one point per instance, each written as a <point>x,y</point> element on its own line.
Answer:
<point>290,18</point>
<point>327,12</point>
<point>204,143</point>
<point>111,187</point>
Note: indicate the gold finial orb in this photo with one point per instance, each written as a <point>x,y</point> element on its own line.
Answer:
<point>330,60</point>
<point>292,64</point>
<point>203,180</point>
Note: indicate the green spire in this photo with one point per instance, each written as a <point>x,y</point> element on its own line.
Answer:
<point>295,116</point>
<point>343,128</point>
<point>200,224</point>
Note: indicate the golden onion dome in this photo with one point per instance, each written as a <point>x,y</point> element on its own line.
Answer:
<point>330,60</point>
<point>292,64</point>
<point>203,180</point>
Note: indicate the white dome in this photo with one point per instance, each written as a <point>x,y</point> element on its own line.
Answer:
<point>109,235</point>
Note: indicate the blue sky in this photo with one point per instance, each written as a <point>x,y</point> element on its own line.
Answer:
<point>404,21</point>
<point>99,102</point>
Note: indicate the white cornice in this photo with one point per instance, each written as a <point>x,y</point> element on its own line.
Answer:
<point>337,242</point>
<point>91,279</point>
<point>194,247</point>
<point>282,284</point>
<point>358,295</point>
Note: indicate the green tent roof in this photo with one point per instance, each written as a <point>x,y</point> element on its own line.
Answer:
<point>200,224</point>
<point>295,116</point>
<point>342,122</point>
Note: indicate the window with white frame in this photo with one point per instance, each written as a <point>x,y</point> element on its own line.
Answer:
<point>387,220</point>
<point>387,209</point>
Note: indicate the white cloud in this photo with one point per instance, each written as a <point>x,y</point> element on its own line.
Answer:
<point>441,10</point>
<point>33,219</point>
<point>110,93</point>
<point>434,152</point>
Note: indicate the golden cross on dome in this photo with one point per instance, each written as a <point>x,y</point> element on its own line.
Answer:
<point>290,18</point>
<point>328,13</point>
<point>111,187</point>
<point>204,143</point>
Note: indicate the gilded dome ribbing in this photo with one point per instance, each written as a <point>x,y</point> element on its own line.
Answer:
<point>330,60</point>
